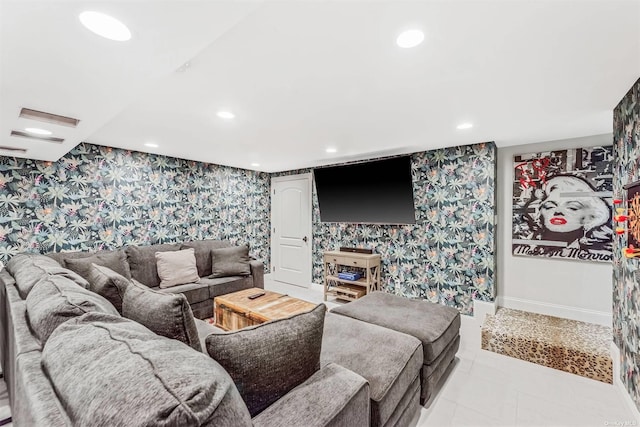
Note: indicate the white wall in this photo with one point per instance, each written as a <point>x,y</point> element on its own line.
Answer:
<point>577,290</point>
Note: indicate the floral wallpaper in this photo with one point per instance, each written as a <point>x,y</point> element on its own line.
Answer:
<point>448,256</point>
<point>103,198</point>
<point>626,271</point>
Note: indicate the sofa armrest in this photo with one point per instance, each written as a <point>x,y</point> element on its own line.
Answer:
<point>333,396</point>
<point>257,272</point>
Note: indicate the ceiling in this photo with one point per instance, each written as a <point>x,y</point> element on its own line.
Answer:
<point>304,76</point>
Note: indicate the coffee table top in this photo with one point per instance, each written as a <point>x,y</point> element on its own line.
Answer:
<point>270,306</point>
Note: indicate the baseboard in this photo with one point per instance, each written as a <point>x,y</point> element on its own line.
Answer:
<point>617,381</point>
<point>580,314</point>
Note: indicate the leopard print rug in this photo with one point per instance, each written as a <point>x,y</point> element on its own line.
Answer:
<point>568,345</point>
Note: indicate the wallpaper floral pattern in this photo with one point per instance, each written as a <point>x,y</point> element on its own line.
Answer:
<point>448,256</point>
<point>626,271</point>
<point>103,198</point>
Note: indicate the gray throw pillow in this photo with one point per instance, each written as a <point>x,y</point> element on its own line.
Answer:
<point>111,371</point>
<point>177,267</point>
<point>55,299</point>
<point>109,284</point>
<point>27,269</point>
<point>168,315</point>
<point>116,261</point>
<point>233,261</point>
<point>268,360</point>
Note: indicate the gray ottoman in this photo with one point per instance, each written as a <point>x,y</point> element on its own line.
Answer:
<point>435,325</point>
<point>388,360</point>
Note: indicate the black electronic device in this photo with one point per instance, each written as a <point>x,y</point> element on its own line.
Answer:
<point>258,295</point>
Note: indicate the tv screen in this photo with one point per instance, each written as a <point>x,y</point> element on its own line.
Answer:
<point>376,192</point>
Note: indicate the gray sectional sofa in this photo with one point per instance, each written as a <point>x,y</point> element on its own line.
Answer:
<point>367,374</point>
<point>140,264</point>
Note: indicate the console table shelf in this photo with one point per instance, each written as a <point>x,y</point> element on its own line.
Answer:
<point>345,289</point>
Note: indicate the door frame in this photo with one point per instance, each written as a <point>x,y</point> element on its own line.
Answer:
<point>284,178</point>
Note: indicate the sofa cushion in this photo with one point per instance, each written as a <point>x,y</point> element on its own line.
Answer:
<point>150,380</point>
<point>195,292</point>
<point>27,269</point>
<point>434,324</point>
<point>142,262</point>
<point>232,261</point>
<point>56,299</point>
<point>268,360</point>
<point>177,267</point>
<point>389,360</point>
<point>165,314</point>
<point>226,285</point>
<point>114,260</point>
<point>203,253</point>
<point>109,284</point>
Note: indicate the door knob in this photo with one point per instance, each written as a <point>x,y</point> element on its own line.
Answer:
<point>304,239</point>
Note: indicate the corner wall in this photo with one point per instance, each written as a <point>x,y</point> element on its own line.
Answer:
<point>577,290</point>
<point>448,256</point>
<point>103,198</point>
<point>626,282</point>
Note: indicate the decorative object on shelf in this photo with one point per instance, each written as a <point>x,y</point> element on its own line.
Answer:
<point>631,217</point>
<point>561,204</point>
<point>350,275</point>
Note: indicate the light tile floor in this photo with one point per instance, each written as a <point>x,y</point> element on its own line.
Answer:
<point>488,389</point>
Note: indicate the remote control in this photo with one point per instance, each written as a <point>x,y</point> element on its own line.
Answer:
<point>258,295</point>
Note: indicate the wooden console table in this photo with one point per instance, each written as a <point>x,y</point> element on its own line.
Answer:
<point>350,290</point>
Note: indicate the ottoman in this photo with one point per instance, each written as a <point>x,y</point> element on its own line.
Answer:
<point>435,325</point>
<point>390,361</point>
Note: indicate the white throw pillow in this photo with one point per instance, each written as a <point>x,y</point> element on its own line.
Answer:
<point>177,267</point>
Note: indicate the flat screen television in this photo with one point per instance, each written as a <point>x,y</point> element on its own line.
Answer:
<point>375,192</point>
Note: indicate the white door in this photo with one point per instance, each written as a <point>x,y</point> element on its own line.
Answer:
<point>291,229</point>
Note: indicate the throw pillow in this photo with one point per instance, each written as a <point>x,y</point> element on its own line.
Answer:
<point>233,261</point>
<point>116,261</point>
<point>268,360</point>
<point>165,314</point>
<point>177,267</point>
<point>109,284</point>
<point>111,371</point>
<point>56,299</point>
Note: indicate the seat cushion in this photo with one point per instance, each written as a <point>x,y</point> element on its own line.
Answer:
<point>165,314</point>
<point>435,325</point>
<point>56,299</point>
<point>142,262</point>
<point>268,360</point>
<point>232,261</point>
<point>226,285</point>
<point>113,260</point>
<point>150,380</point>
<point>203,253</point>
<point>194,292</point>
<point>27,269</point>
<point>109,284</point>
<point>389,360</point>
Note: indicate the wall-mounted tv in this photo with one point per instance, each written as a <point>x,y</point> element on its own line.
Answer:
<point>374,192</point>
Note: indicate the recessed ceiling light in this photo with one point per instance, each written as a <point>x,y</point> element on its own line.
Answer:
<point>465,126</point>
<point>38,131</point>
<point>105,26</point>
<point>151,144</point>
<point>410,38</point>
<point>255,165</point>
<point>331,150</point>
<point>227,115</point>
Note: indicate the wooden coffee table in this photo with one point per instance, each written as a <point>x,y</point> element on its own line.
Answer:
<point>236,311</point>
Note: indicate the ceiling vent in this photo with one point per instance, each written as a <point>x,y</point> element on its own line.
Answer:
<point>48,117</point>
<point>13,149</point>
<point>38,137</point>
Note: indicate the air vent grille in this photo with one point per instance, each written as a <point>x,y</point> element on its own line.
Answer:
<point>38,137</point>
<point>48,117</point>
<point>14,149</point>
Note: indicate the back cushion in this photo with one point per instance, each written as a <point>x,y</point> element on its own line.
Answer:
<point>27,269</point>
<point>109,284</point>
<point>142,262</point>
<point>55,299</point>
<point>151,381</point>
<point>203,253</point>
<point>116,261</point>
<point>165,314</point>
